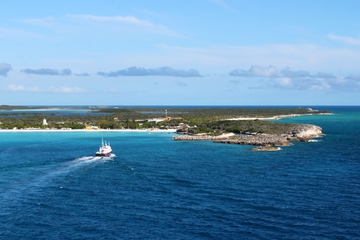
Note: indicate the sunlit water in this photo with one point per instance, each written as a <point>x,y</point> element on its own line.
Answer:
<point>52,186</point>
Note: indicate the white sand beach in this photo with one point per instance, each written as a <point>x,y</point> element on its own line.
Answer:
<point>86,130</point>
<point>275,117</point>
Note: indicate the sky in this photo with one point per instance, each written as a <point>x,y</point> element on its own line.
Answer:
<point>188,52</point>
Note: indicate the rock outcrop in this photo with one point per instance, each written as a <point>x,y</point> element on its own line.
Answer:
<point>304,132</point>
<point>257,140</point>
<point>201,137</point>
<point>301,132</point>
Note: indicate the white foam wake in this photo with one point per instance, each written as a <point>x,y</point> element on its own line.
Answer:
<point>95,158</point>
<point>32,184</point>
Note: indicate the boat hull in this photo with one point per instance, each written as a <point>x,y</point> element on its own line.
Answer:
<point>102,154</point>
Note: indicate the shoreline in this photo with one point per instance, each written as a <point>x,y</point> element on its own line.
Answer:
<point>301,132</point>
<point>86,130</point>
<point>277,117</point>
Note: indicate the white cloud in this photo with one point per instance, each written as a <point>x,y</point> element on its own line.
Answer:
<point>48,71</point>
<point>121,19</point>
<point>48,22</point>
<point>20,88</point>
<point>256,71</point>
<point>296,56</point>
<point>74,24</point>
<point>286,72</point>
<point>320,87</point>
<point>337,84</point>
<point>283,82</point>
<point>346,40</point>
<point>162,71</point>
<point>66,90</point>
<point>301,80</point>
<point>130,20</point>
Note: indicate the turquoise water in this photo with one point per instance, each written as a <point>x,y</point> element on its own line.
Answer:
<point>52,187</point>
<point>52,112</point>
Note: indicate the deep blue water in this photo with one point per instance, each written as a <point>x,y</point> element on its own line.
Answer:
<point>51,186</point>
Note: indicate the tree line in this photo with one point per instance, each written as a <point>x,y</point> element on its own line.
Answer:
<point>207,120</point>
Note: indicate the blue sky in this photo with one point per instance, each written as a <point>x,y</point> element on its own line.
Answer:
<point>189,52</point>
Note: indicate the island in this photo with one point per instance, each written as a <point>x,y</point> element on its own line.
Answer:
<point>267,136</point>
<point>230,125</point>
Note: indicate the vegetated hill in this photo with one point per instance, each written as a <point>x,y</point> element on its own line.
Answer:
<point>8,107</point>
<point>209,120</point>
<point>214,113</point>
<point>250,112</point>
<point>244,126</point>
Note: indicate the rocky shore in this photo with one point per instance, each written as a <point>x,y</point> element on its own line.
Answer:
<point>301,132</point>
<point>202,137</point>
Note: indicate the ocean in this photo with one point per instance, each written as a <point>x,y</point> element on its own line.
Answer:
<point>52,186</point>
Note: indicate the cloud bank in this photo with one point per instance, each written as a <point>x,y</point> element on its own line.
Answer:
<point>355,77</point>
<point>116,19</point>
<point>344,39</point>
<point>300,79</point>
<point>4,69</point>
<point>286,72</point>
<point>20,88</point>
<point>48,71</point>
<point>255,71</point>
<point>127,20</point>
<point>162,71</point>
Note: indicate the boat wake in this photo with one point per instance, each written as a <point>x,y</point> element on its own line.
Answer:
<point>96,158</point>
<point>32,184</point>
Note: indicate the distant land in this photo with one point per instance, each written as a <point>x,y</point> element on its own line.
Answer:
<point>235,125</point>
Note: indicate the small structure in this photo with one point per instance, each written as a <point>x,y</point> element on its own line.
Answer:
<point>44,122</point>
<point>91,127</point>
<point>183,127</point>
<point>156,120</point>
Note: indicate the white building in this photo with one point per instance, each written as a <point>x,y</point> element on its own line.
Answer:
<point>44,122</point>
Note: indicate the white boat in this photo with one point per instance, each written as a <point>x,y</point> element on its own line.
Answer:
<point>105,149</point>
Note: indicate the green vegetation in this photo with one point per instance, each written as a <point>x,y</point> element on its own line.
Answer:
<point>211,113</point>
<point>7,107</point>
<point>200,120</point>
<point>244,126</point>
